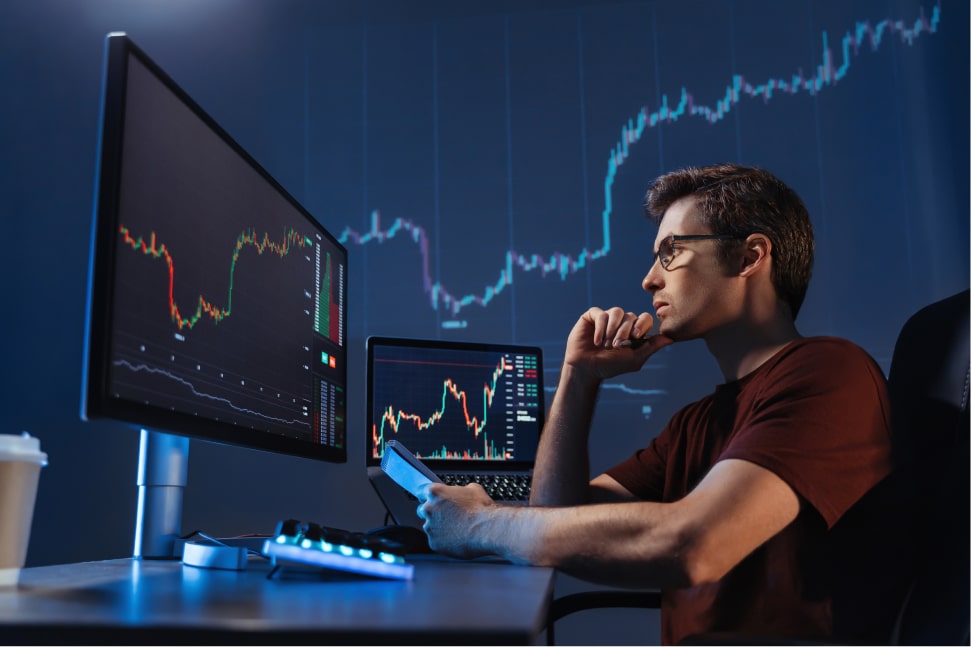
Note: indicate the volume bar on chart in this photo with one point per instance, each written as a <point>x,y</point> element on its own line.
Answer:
<point>328,319</point>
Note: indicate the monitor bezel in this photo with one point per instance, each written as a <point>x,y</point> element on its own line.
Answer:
<point>96,402</point>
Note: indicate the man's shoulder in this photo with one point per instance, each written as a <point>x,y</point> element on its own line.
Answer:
<point>825,347</point>
<point>828,355</point>
<point>826,341</point>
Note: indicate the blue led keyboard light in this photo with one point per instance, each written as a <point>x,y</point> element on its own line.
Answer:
<point>313,545</point>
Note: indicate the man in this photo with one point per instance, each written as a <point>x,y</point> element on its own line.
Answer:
<point>749,509</point>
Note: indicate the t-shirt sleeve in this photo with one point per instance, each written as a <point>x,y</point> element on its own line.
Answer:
<point>820,421</point>
<point>644,473</point>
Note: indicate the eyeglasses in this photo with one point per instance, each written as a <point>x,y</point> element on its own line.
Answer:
<point>666,250</point>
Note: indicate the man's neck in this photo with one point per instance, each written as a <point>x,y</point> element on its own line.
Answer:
<point>744,348</point>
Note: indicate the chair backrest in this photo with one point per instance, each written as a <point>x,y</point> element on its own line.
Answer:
<point>929,381</point>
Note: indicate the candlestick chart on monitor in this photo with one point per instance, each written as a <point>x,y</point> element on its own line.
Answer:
<point>204,326</point>
<point>453,405</point>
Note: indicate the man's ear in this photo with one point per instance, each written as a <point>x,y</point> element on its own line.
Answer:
<point>756,253</point>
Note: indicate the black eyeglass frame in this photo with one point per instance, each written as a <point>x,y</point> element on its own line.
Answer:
<point>674,238</point>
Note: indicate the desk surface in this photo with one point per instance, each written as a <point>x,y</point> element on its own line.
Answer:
<point>131,602</point>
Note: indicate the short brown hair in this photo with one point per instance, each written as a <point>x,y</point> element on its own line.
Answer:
<point>742,200</point>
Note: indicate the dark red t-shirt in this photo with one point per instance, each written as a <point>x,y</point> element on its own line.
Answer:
<point>817,415</point>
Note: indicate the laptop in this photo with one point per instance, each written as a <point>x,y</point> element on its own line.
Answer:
<point>471,411</point>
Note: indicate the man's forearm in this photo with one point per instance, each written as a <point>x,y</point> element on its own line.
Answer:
<point>640,552</point>
<point>562,472</point>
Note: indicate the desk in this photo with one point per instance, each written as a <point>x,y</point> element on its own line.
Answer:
<point>133,602</point>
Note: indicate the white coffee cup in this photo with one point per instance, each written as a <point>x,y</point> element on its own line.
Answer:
<point>20,463</point>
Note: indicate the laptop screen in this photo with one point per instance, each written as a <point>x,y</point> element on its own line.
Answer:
<point>455,405</point>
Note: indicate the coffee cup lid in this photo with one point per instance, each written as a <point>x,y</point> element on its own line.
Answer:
<point>21,447</point>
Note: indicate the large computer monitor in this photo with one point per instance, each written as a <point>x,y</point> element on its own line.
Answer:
<point>216,305</point>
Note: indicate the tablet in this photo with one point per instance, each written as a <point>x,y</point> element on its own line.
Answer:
<point>405,468</point>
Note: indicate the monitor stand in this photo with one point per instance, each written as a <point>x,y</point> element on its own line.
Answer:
<point>163,461</point>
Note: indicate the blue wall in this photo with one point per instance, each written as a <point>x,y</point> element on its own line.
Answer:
<point>489,129</point>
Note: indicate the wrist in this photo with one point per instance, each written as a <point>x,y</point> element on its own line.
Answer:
<point>579,381</point>
<point>498,532</point>
<point>484,529</point>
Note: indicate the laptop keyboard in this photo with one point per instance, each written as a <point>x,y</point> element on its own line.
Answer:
<point>501,487</point>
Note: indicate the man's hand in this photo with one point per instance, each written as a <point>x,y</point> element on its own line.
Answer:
<point>454,518</point>
<point>599,343</point>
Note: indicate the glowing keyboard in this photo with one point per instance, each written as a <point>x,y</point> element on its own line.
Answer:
<point>311,545</point>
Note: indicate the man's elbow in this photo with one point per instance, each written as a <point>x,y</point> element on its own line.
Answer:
<point>700,563</point>
<point>702,571</point>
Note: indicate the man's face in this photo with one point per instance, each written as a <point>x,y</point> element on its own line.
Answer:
<point>695,294</point>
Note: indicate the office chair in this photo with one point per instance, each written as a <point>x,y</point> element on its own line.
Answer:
<point>929,379</point>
